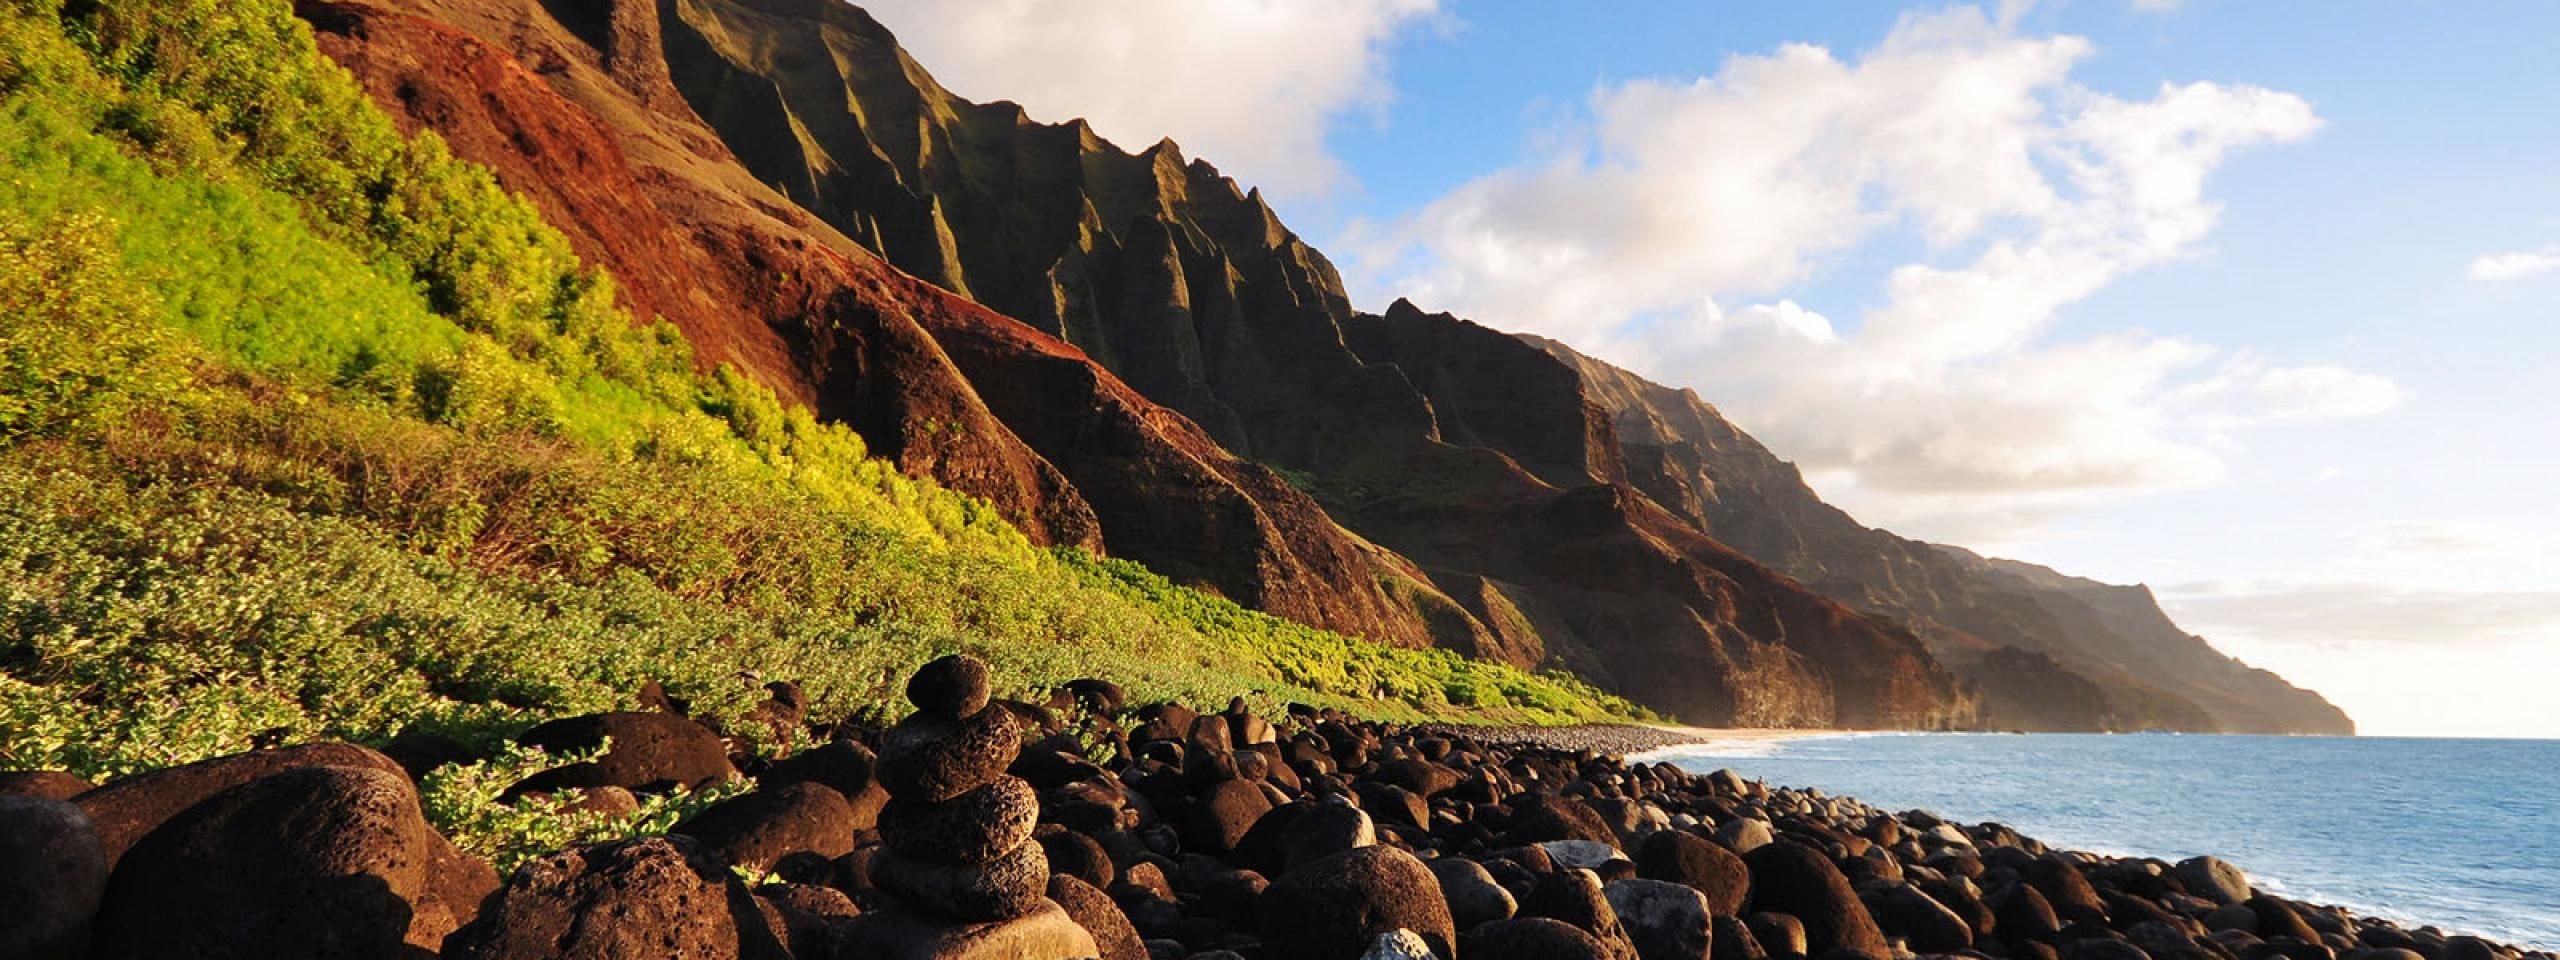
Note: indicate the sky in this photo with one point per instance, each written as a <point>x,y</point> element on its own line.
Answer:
<point>2254,303</point>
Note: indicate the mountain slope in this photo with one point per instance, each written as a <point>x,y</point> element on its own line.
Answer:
<point>1191,291</point>
<point>1063,447</point>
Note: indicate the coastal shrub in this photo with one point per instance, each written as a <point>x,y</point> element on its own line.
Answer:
<point>463,801</point>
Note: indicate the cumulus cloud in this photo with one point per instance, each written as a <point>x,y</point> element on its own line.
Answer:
<point>2351,613</point>
<point>1659,236</point>
<point>1251,84</point>
<point>2517,265</point>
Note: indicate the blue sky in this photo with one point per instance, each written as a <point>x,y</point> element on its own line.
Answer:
<point>2251,302</point>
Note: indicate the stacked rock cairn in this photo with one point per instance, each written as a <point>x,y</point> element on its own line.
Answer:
<point>957,829</point>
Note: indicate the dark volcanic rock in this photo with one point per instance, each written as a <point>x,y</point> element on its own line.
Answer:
<point>1532,938</point>
<point>950,687</point>
<point>1227,811</point>
<point>651,897</point>
<point>126,809</point>
<point>897,933</point>
<point>1008,887</point>
<point>650,752</point>
<point>50,784</point>
<point>1799,881</point>
<point>2213,880</point>
<point>929,759</point>
<point>1332,909</point>
<point>1702,865</point>
<point>1539,817</point>
<point>757,829</point>
<point>1094,911</point>
<point>314,862</point>
<point>1665,921</point>
<point>847,767</point>
<point>1472,895</point>
<point>979,826</point>
<point>52,874</point>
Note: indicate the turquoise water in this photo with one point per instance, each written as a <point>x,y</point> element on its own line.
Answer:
<point>2461,834</point>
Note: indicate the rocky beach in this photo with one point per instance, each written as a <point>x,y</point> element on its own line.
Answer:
<point>1085,826</point>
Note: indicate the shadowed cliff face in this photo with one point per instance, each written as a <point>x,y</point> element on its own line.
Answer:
<point>572,106</point>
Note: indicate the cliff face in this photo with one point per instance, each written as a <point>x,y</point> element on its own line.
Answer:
<point>571,105</point>
<point>1127,352</point>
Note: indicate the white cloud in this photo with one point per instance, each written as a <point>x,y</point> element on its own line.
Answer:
<point>1249,84</point>
<point>2337,614</point>
<point>1958,142</point>
<point>2517,265</point>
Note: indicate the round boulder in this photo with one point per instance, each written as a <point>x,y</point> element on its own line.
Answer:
<point>979,826</point>
<point>2213,880</point>
<point>1532,938</point>
<point>49,784</point>
<point>318,861</point>
<point>848,767</point>
<point>1797,880</point>
<point>1474,898</point>
<point>1009,886</point>
<point>1540,817</point>
<point>126,809</point>
<point>755,830</point>
<point>1665,921</point>
<point>950,687</point>
<point>1699,864</point>
<point>650,752</point>
<point>1093,910</point>
<point>650,897</point>
<point>1333,909</point>
<point>930,759</point>
<point>52,874</point>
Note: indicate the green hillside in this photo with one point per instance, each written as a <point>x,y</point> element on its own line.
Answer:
<point>310,430</point>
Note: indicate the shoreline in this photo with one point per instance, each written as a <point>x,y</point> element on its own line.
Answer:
<point>1663,743</point>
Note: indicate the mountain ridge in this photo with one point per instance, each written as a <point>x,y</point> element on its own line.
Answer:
<point>1478,493</point>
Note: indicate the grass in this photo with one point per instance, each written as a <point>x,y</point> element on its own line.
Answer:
<point>309,430</point>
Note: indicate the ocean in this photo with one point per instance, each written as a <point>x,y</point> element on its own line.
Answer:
<point>2461,834</point>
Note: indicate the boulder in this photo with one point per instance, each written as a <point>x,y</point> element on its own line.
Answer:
<point>52,875</point>
<point>1532,938</point>
<point>1009,886</point>
<point>1665,921</point>
<point>2213,880</point>
<point>650,897</point>
<point>1782,935</point>
<point>1047,932</point>
<point>1474,898</point>
<point>848,767</point>
<point>1733,941</point>
<point>316,861</point>
<point>1578,854</point>
<point>1333,909</point>
<point>126,809</point>
<point>930,759</point>
<point>979,826</point>
<point>1575,897</point>
<point>49,784</point>
<point>650,752</point>
<point>1797,880</point>
<point>950,687</point>
<point>1093,910</point>
<point>1698,864</point>
<point>1745,834</point>
<point>1928,925</point>
<point>1540,817</point>
<point>757,829</point>
<point>1079,856</point>
<point>1225,813</point>
<point>1398,944</point>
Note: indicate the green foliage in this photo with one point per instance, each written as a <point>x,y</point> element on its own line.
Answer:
<point>463,801</point>
<point>312,430</point>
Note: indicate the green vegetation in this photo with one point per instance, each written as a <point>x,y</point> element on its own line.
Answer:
<point>310,430</point>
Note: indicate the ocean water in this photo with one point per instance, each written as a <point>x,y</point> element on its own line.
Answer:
<point>2462,834</point>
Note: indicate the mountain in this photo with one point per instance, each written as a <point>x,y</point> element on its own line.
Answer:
<point>1128,352</point>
